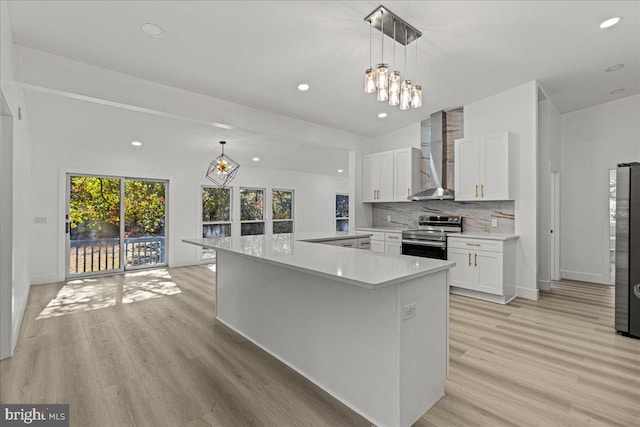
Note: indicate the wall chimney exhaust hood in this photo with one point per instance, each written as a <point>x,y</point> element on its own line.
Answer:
<point>440,159</point>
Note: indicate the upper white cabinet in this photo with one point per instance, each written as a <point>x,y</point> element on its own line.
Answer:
<point>485,167</point>
<point>391,176</point>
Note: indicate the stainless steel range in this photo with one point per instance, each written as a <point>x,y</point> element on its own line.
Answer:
<point>430,239</point>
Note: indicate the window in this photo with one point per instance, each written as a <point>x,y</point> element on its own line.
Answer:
<point>282,203</point>
<point>216,215</point>
<point>342,212</point>
<point>251,211</point>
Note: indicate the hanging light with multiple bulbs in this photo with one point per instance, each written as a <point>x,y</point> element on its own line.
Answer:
<point>389,86</point>
<point>222,169</point>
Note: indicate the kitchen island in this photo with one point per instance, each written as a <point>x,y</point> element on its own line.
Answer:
<point>369,328</point>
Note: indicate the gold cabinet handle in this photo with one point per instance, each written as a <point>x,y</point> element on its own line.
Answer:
<point>472,244</point>
<point>469,259</point>
<point>475,260</point>
<point>408,192</point>
<point>349,245</point>
<point>374,194</point>
<point>481,190</point>
<point>476,191</point>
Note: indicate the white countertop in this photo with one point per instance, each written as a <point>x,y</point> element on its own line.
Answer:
<point>485,236</point>
<point>384,229</point>
<point>359,267</point>
<point>325,237</point>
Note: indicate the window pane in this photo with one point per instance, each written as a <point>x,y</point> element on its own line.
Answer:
<point>251,228</point>
<point>216,230</point>
<point>283,227</point>
<point>282,204</point>
<point>342,206</point>
<point>342,225</point>
<point>251,204</point>
<point>216,204</point>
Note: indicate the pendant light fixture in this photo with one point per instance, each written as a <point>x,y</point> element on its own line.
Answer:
<point>416,92</point>
<point>222,169</point>
<point>369,75</point>
<point>382,71</point>
<point>389,85</point>
<point>405,86</point>
<point>394,77</point>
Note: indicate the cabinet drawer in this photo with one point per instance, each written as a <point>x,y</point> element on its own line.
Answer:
<point>475,244</point>
<point>393,237</point>
<point>375,235</point>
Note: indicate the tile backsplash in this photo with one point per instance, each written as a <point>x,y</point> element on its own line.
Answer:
<point>476,215</point>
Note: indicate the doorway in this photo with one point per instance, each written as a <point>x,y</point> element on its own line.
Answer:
<point>114,224</point>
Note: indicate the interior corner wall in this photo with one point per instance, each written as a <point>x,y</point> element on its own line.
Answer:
<point>20,176</point>
<point>594,140</point>
<point>549,155</point>
<point>408,136</point>
<point>516,110</point>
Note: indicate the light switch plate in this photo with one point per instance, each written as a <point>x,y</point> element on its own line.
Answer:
<point>409,311</point>
<point>40,220</point>
<point>494,222</point>
<point>388,218</point>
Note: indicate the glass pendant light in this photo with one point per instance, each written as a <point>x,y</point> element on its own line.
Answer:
<point>405,86</point>
<point>369,75</point>
<point>382,71</point>
<point>416,92</point>
<point>394,78</point>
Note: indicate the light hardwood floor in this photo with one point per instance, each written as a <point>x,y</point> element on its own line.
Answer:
<point>143,349</point>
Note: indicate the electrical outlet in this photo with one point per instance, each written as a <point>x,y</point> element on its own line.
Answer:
<point>494,222</point>
<point>409,311</point>
<point>388,218</point>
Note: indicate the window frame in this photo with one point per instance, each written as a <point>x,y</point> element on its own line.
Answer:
<point>253,221</point>
<point>203,223</point>
<point>293,209</point>
<point>339,218</point>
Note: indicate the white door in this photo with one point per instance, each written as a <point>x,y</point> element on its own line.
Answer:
<point>488,272</point>
<point>462,273</point>
<point>494,167</point>
<point>393,248</point>
<point>555,226</point>
<point>386,177</point>
<point>370,177</point>
<point>402,160</point>
<point>467,170</point>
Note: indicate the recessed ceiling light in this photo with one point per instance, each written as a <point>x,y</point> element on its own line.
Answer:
<point>303,87</point>
<point>610,22</point>
<point>153,30</point>
<point>382,115</point>
<point>340,170</point>
<point>615,67</point>
<point>256,159</point>
<point>136,143</point>
<point>616,91</point>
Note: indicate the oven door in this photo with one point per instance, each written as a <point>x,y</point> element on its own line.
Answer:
<point>424,248</point>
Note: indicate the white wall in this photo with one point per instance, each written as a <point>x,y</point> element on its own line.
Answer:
<point>19,200</point>
<point>408,136</point>
<point>314,197</point>
<point>549,155</point>
<point>516,110</point>
<point>594,140</point>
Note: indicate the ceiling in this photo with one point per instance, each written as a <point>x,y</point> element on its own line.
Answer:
<point>256,53</point>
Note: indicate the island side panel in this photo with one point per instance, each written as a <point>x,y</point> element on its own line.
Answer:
<point>423,344</point>
<point>342,337</point>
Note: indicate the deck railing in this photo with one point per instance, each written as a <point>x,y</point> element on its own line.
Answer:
<point>96,255</point>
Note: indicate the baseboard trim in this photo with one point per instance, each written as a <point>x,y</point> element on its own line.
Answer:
<point>532,294</point>
<point>544,285</point>
<point>15,333</point>
<point>44,280</point>
<point>582,277</point>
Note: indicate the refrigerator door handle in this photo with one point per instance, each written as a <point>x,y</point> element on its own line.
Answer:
<point>636,290</point>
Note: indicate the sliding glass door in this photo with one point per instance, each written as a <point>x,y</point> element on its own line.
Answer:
<point>114,224</point>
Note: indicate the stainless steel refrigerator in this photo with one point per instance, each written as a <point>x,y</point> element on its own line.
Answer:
<point>628,249</point>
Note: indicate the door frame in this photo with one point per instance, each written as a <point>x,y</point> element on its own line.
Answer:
<point>62,209</point>
<point>554,253</point>
<point>6,230</point>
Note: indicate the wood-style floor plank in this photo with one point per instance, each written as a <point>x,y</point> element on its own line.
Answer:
<point>164,361</point>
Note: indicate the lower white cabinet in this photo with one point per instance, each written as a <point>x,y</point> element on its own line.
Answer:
<point>385,242</point>
<point>484,268</point>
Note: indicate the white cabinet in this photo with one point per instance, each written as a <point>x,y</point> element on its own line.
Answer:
<point>385,242</point>
<point>484,268</point>
<point>391,175</point>
<point>485,167</point>
<point>377,177</point>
